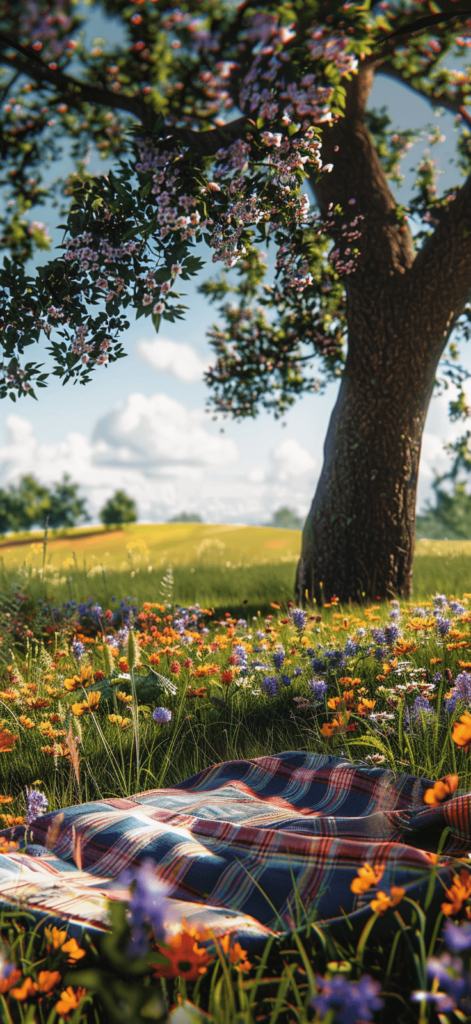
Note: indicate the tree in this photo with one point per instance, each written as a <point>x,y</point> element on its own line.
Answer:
<point>210,117</point>
<point>65,508</point>
<point>118,509</point>
<point>450,517</point>
<point>286,519</point>
<point>28,503</point>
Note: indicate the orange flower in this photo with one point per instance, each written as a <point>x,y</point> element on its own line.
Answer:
<point>82,680</point>
<point>69,1000</point>
<point>54,938</point>
<point>237,955</point>
<point>336,724</point>
<point>457,893</point>
<point>7,983</point>
<point>365,706</point>
<point>26,722</point>
<point>126,698</point>
<point>186,958</point>
<point>73,950</point>
<point>441,790</point>
<point>384,902</point>
<point>27,989</point>
<point>201,691</point>
<point>405,647</point>
<point>47,980</point>
<point>367,877</point>
<point>36,703</point>
<point>389,666</point>
<point>6,799</point>
<point>333,703</point>
<point>461,734</point>
<point>7,741</point>
<point>154,659</point>
<point>7,846</point>
<point>123,665</point>
<point>89,705</point>
<point>437,661</point>
<point>9,820</point>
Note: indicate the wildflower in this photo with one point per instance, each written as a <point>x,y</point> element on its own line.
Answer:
<point>77,681</point>
<point>270,685</point>
<point>123,665</point>
<point>78,649</point>
<point>6,799</point>
<point>318,687</point>
<point>286,680</point>
<point>158,308</point>
<point>278,658</point>
<point>70,1000</point>
<point>384,902</point>
<point>54,938</point>
<point>37,804</point>
<point>458,893</point>
<point>421,704</point>
<point>365,706</point>
<point>457,937</point>
<point>25,990</point>
<point>124,723</point>
<point>201,691</point>
<point>89,705</point>
<point>351,1000</point>
<point>9,977</point>
<point>367,877</point>
<point>299,618</point>
<point>441,790</point>
<point>227,677</point>
<point>7,741</point>
<point>26,722</point>
<point>237,955</point>
<point>185,957</point>
<point>125,698</point>
<point>460,692</point>
<point>147,905</point>
<point>351,647</point>
<point>73,951</point>
<point>162,715</point>
<point>461,734</point>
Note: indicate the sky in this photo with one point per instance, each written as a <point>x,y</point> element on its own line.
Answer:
<point>141,424</point>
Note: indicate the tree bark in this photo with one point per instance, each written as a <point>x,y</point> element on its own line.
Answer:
<point>358,540</point>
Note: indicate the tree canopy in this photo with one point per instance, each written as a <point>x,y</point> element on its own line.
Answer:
<point>211,117</point>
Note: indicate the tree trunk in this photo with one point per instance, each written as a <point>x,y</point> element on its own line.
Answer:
<point>358,541</point>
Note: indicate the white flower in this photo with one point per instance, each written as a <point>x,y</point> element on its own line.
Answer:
<point>146,300</point>
<point>158,308</point>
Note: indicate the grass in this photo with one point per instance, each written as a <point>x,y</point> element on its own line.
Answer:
<point>217,718</point>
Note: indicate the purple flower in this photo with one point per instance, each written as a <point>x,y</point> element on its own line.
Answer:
<point>457,608</point>
<point>148,906</point>
<point>270,685</point>
<point>318,665</point>
<point>443,626</point>
<point>419,612</point>
<point>380,653</point>
<point>278,658</point>
<point>352,1000</point>
<point>440,601</point>
<point>299,618</point>
<point>37,805</point>
<point>457,937</point>
<point>460,692</point>
<point>318,687</point>
<point>298,671</point>
<point>351,647</point>
<point>286,680</point>
<point>421,704</point>
<point>162,715</point>
<point>78,649</point>
<point>379,636</point>
<point>437,678</point>
<point>391,633</point>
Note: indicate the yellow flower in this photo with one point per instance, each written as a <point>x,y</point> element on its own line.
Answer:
<point>126,698</point>
<point>88,705</point>
<point>26,722</point>
<point>69,1000</point>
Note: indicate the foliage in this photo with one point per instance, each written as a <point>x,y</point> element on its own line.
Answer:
<point>186,517</point>
<point>286,519</point>
<point>32,504</point>
<point>120,508</point>
<point>155,104</point>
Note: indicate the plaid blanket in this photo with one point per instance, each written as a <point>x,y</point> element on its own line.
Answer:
<point>247,847</point>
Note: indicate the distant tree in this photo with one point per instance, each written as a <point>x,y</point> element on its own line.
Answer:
<point>118,509</point>
<point>66,509</point>
<point>449,518</point>
<point>28,503</point>
<point>186,517</point>
<point>287,519</point>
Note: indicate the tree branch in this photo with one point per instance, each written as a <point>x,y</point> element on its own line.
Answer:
<point>453,103</point>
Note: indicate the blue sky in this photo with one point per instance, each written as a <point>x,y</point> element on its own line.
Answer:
<point>141,425</point>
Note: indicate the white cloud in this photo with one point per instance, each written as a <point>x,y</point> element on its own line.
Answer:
<point>178,359</point>
<point>290,460</point>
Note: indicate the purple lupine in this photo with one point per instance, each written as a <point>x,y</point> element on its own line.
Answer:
<point>299,618</point>
<point>286,680</point>
<point>351,1000</point>
<point>37,805</point>
<point>443,626</point>
<point>440,601</point>
<point>457,608</point>
<point>461,692</point>
<point>421,704</point>
<point>270,685</point>
<point>318,665</point>
<point>380,653</point>
<point>379,636</point>
<point>351,647</point>
<point>391,633</point>
<point>79,649</point>
<point>161,715</point>
<point>457,936</point>
<point>318,687</point>
<point>148,906</point>
<point>278,658</point>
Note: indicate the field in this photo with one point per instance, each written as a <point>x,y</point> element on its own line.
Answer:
<point>107,688</point>
<point>225,567</point>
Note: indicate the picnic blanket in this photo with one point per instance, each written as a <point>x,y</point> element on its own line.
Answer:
<point>246,847</point>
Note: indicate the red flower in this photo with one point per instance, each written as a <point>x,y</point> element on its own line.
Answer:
<point>175,668</point>
<point>227,677</point>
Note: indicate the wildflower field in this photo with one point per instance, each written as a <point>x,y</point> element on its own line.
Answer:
<point>103,698</point>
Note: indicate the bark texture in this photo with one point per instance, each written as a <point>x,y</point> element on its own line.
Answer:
<point>358,541</point>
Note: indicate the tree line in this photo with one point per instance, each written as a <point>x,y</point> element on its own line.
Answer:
<point>30,503</point>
